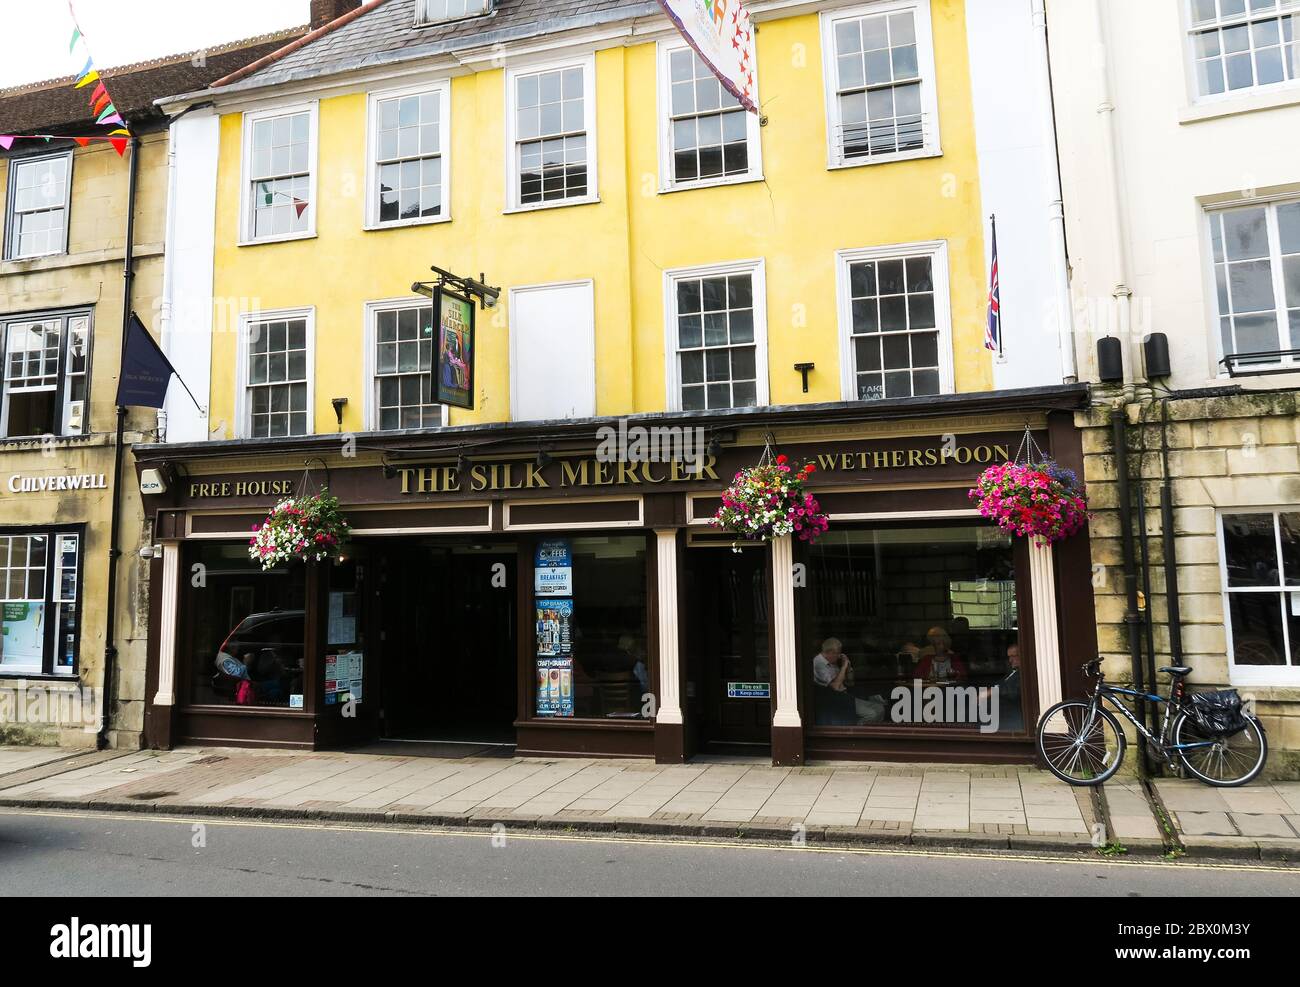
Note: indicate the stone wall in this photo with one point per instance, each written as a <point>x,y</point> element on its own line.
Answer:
<point>90,276</point>
<point>1225,452</point>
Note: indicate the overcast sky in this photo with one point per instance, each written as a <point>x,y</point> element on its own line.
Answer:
<point>35,35</point>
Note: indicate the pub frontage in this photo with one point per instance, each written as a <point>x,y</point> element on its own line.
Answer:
<point>557,587</point>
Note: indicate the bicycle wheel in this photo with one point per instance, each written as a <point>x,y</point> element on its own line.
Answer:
<point>1076,752</point>
<point>1227,761</point>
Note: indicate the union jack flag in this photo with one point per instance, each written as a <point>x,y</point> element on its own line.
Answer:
<point>993,329</point>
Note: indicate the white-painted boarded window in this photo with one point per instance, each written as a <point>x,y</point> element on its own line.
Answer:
<point>553,351</point>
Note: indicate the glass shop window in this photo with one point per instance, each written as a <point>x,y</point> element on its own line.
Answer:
<point>39,597</point>
<point>913,627</point>
<point>590,651</point>
<point>246,629</point>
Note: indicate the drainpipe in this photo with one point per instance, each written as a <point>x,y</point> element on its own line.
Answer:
<point>119,454</point>
<point>1132,618</point>
<point>1121,292</point>
<point>1148,624</point>
<point>1056,200</point>
<point>1167,539</point>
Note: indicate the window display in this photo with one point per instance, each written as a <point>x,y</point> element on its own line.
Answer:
<point>39,584</point>
<point>590,605</point>
<point>914,627</point>
<point>247,629</point>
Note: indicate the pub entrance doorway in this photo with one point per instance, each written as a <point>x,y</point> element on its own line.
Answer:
<point>449,620</point>
<point>728,648</point>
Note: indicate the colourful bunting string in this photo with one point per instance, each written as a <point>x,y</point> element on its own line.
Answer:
<point>119,143</point>
<point>268,198</point>
<point>101,104</point>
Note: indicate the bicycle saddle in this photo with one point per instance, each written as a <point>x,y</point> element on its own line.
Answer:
<point>1176,670</point>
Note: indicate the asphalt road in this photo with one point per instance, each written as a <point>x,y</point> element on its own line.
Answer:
<point>86,854</point>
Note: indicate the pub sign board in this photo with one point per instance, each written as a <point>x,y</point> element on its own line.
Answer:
<point>455,350</point>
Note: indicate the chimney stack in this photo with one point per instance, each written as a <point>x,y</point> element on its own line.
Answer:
<point>324,11</point>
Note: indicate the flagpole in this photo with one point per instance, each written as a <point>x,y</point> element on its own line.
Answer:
<point>174,372</point>
<point>1001,335</point>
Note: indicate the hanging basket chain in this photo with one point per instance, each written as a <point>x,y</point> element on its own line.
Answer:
<point>303,487</point>
<point>1030,452</point>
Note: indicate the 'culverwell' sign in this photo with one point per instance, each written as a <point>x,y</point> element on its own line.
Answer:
<point>46,484</point>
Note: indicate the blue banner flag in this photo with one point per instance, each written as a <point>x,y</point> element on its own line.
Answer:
<point>146,371</point>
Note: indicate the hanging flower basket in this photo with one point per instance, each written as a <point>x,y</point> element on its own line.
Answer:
<point>306,528</point>
<point>769,501</point>
<point>1042,500</point>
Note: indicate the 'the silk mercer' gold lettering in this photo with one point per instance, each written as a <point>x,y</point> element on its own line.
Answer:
<point>574,476</point>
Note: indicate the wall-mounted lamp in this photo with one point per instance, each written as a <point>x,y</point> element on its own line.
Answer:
<point>543,459</point>
<point>339,404</point>
<point>805,369</point>
<point>463,463</point>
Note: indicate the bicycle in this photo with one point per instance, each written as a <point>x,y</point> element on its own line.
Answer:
<point>1082,742</point>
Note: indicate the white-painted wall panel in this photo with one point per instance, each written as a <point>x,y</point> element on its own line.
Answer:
<point>1017,152</point>
<point>187,308</point>
<point>552,352</point>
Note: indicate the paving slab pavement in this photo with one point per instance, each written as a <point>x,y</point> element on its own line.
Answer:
<point>994,806</point>
<point>1002,806</point>
<point>1257,820</point>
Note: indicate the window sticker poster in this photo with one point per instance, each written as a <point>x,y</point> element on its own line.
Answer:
<point>553,569</point>
<point>455,351</point>
<point>344,674</point>
<point>555,687</point>
<point>554,628</point>
<point>22,633</point>
<point>343,618</point>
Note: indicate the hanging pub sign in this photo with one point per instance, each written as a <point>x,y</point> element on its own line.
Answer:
<point>454,366</point>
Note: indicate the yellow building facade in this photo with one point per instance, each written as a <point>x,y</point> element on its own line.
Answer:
<point>810,281</point>
<point>797,218</point>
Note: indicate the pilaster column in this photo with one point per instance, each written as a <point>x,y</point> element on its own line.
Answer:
<point>785,656</point>
<point>167,609</point>
<point>669,705</point>
<point>1047,652</point>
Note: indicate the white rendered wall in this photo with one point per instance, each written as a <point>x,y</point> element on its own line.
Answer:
<point>1141,222</point>
<point>187,309</point>
<point>1016,157</point>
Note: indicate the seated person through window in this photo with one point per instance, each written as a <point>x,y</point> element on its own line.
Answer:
<point>939,663</point>
<point>833,703</point>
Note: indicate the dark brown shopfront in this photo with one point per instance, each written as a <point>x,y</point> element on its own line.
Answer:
<point>564,604</point>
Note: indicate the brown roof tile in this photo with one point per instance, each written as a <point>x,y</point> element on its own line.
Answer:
<point>54,106</point>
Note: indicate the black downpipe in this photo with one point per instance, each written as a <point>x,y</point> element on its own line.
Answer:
<point>119,455</point>
<point>1167,536</point>
<point>1132,618</point>
<point>1148,615</point>
<point>1148,624</point>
